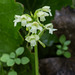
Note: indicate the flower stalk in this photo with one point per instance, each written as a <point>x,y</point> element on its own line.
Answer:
<point>36,61</point>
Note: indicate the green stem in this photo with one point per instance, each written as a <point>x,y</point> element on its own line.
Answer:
<point>41,33</point>
<point>73,3</point>
<point>36,61</point>
<point>1,69</point>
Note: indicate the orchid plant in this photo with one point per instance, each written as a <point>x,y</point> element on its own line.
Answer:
<point>33,24</point>
<point>35,28</point>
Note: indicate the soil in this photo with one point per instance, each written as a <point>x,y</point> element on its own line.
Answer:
<point>57,66</point>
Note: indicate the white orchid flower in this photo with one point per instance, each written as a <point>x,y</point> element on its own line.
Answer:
<point>33,27</point>
<point>17,19</point>
<point>42,15</point>
<point>23,19</point>
<point>32,39</point>
<point>50,28</point>
<point>47,9</point>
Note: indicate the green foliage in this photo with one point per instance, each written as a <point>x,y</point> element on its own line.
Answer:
<point>10,37</point>
<point>12,73</point>
<point>63,48</point>
<point>28,69</point>
<point>17,61</point>
<point>5,58</point>
<point>59,52</point>
<point>67,42</point>
<point>19,51</point>
<point>10,62</point>
<point>25,60</point>
<point>12,55</point>
<point>12,58</point>
<point>59,46</point>
<point>62,39</point>
<point>49,39</point>
<point>67,54</point>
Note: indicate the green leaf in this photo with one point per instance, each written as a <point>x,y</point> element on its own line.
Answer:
<point>10,38</point>
<point>65,48</point>
<point>58,46</point>
<point>5,58</point>
<point>49,39</point>
<point>67,54</point>
<point>10,62</point>
<point>12,73</point>
<point>20,51</point>
<point>59,52</point>
<point>12,55</point>
<point>17,61</point>
<point>25,60</point>
<point>62,39</point>
<point>67,42</point>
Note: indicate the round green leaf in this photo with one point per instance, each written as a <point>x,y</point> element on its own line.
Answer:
<point>19,51</point>
<point>18,61</point>
<point>62,39</point>
<point>12,55</point>
<point>5,57</point>
<point>25,60</point>
<point>67,54</point>
<point>65,48</point>
<point>10,62</point>
<point>59,52</point>
<point>12,73</point>
<point>67,42</point>
<point>58,46</point>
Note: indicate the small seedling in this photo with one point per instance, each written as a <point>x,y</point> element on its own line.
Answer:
<point>12,59</point>
<point>63,48</point>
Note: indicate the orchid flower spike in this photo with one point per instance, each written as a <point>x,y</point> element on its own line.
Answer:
<point>34,27</point>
